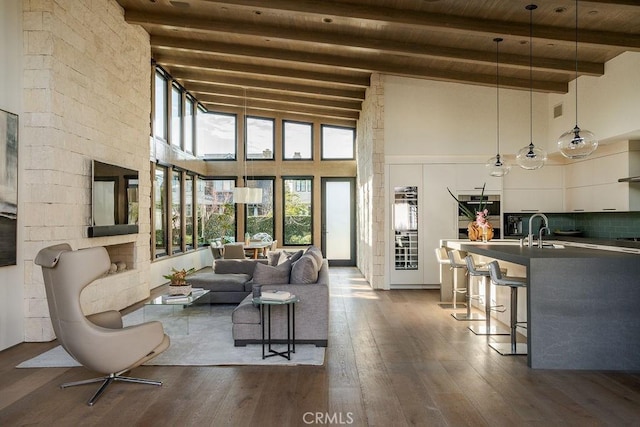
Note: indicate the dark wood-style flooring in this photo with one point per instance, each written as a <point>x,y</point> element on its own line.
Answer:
<point>395,358</point>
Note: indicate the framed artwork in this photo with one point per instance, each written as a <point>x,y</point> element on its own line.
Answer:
<point>8,187</point>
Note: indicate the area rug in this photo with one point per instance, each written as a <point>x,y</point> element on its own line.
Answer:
<point>200,336</point>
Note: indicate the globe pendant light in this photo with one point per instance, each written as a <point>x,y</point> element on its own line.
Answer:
<point>495,165</point>
<point>530,156</point>
<point>577,143</point>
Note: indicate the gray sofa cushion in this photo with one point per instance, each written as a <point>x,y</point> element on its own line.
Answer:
<point>305,270</point>
<point>231,266</point>
<point>270,275</point>
<point>316,253</point>
<point>245,312</point>
<point>219,282</point>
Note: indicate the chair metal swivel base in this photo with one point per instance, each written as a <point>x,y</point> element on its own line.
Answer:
<point>106,380</point>
<point>509,349</point>
<point>467,316</point>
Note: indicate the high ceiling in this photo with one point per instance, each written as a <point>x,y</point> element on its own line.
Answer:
<point>315,57</point>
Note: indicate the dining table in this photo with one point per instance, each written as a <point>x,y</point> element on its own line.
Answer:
<point>256,247</point>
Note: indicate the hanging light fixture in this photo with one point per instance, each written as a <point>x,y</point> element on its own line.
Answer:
<point>496,166</point>
<point>246,194</point>
<point>577,143</point>
<point>530,156</point>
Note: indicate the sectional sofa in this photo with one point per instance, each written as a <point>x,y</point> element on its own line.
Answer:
<point>303,273</point>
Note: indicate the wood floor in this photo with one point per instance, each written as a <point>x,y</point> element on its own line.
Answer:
<point>395,358</point>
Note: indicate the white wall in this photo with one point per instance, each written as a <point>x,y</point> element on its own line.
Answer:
<point>11,277</point>
<point>428,118</point>
<point>608,106</point>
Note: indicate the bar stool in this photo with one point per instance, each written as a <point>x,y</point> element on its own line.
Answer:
<point>512,348</point>
<point>455,258</point>
<point>477,271</point>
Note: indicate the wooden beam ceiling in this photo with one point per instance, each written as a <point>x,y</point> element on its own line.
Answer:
<point>313,57</point>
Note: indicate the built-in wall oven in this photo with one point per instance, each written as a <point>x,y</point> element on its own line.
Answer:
<point>473,202</point>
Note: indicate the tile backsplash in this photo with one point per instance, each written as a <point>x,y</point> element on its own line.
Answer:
<point>603,225</point>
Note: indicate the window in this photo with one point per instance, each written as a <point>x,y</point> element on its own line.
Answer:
<point>259,138</point>
<point>176,211</point>
<point>298,140</point>
<point>297,211</point>
<point>259,216</point>
<point>160,110</point>
<point>189,110</point>
<point>176,116</point>
<point>216,135</point>
<point>338,142</point>
<point>160,211</point>
<point>189,214</point>
<point>216,210</point>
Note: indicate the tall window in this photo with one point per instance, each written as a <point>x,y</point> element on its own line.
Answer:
<point>259,216</point>
<point>176,116</point>
<point>338,142</point>
<point>189,214</point>
<point>189,110</point>
<point>160,113</point>
<point>160,211</point>
<point>297,211</point>
<point>297,140</point>
<point>216,210</point>
<point>216,135</point>
<point>176,211</point>
<point>260,138</point>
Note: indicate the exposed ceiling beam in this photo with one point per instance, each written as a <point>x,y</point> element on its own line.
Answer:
<point>434,20</point>
<point>202,77</point>
<point>373,45</point>
<point>228,67</point>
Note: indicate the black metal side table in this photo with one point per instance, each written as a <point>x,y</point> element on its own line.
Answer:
<point>291,326</point>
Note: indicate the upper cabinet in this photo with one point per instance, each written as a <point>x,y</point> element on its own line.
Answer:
<point>471,177</point>
<point>591,184</point>
<point>539,190</point>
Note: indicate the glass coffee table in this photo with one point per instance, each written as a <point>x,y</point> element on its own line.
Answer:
<point>175,301</point>
<point>265,306</point>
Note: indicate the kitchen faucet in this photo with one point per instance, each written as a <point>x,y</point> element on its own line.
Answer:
<point>545,226</point>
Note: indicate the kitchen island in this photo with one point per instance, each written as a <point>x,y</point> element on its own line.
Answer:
<point>583,305</point>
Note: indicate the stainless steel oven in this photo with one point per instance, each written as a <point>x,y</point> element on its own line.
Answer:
<point>473,202</point>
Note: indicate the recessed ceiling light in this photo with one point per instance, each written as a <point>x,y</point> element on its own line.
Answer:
<point>593,12</point>
<point>257,12</point>
<point>561,9</point>
<point>179,4</point>
<point>327,20</point>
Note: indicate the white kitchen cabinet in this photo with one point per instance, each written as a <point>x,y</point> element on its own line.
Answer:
<point>591,185</point>
<point>470,177</point>
<point>539,190</point>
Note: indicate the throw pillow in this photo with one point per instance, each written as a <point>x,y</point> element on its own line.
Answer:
<point>305,270</point>
<point>291,256</point>
<point>274,257</point>
<point>316,253</point>
<point>270,275</point>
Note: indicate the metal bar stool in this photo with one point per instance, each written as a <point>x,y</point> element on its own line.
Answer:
<point>483,271</point>
<point>512,348</point>
<point>455,258</point>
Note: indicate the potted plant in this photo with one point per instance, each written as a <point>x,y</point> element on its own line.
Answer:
<point>479,227</point>
<point>179,284</point>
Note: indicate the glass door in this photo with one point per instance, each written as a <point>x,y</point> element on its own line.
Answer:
<point>339,221</point>
<point>405,225</point>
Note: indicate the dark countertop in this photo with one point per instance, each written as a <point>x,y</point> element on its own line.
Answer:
<point>522,255</point>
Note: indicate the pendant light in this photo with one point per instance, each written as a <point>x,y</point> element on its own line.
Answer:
<point>496,166</point>
<point>577,143</point>
<point>246,194</point>
<point>530,156</point>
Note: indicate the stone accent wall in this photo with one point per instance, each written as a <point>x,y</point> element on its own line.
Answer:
<point>370,153</point>
<point>86,96</point>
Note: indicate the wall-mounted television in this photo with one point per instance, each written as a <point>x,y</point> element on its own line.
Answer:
<point>114,200</point>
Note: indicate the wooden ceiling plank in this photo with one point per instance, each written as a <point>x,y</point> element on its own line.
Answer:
<point>376,45</point>
<point>284,107</point>
<point>434,20</point>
